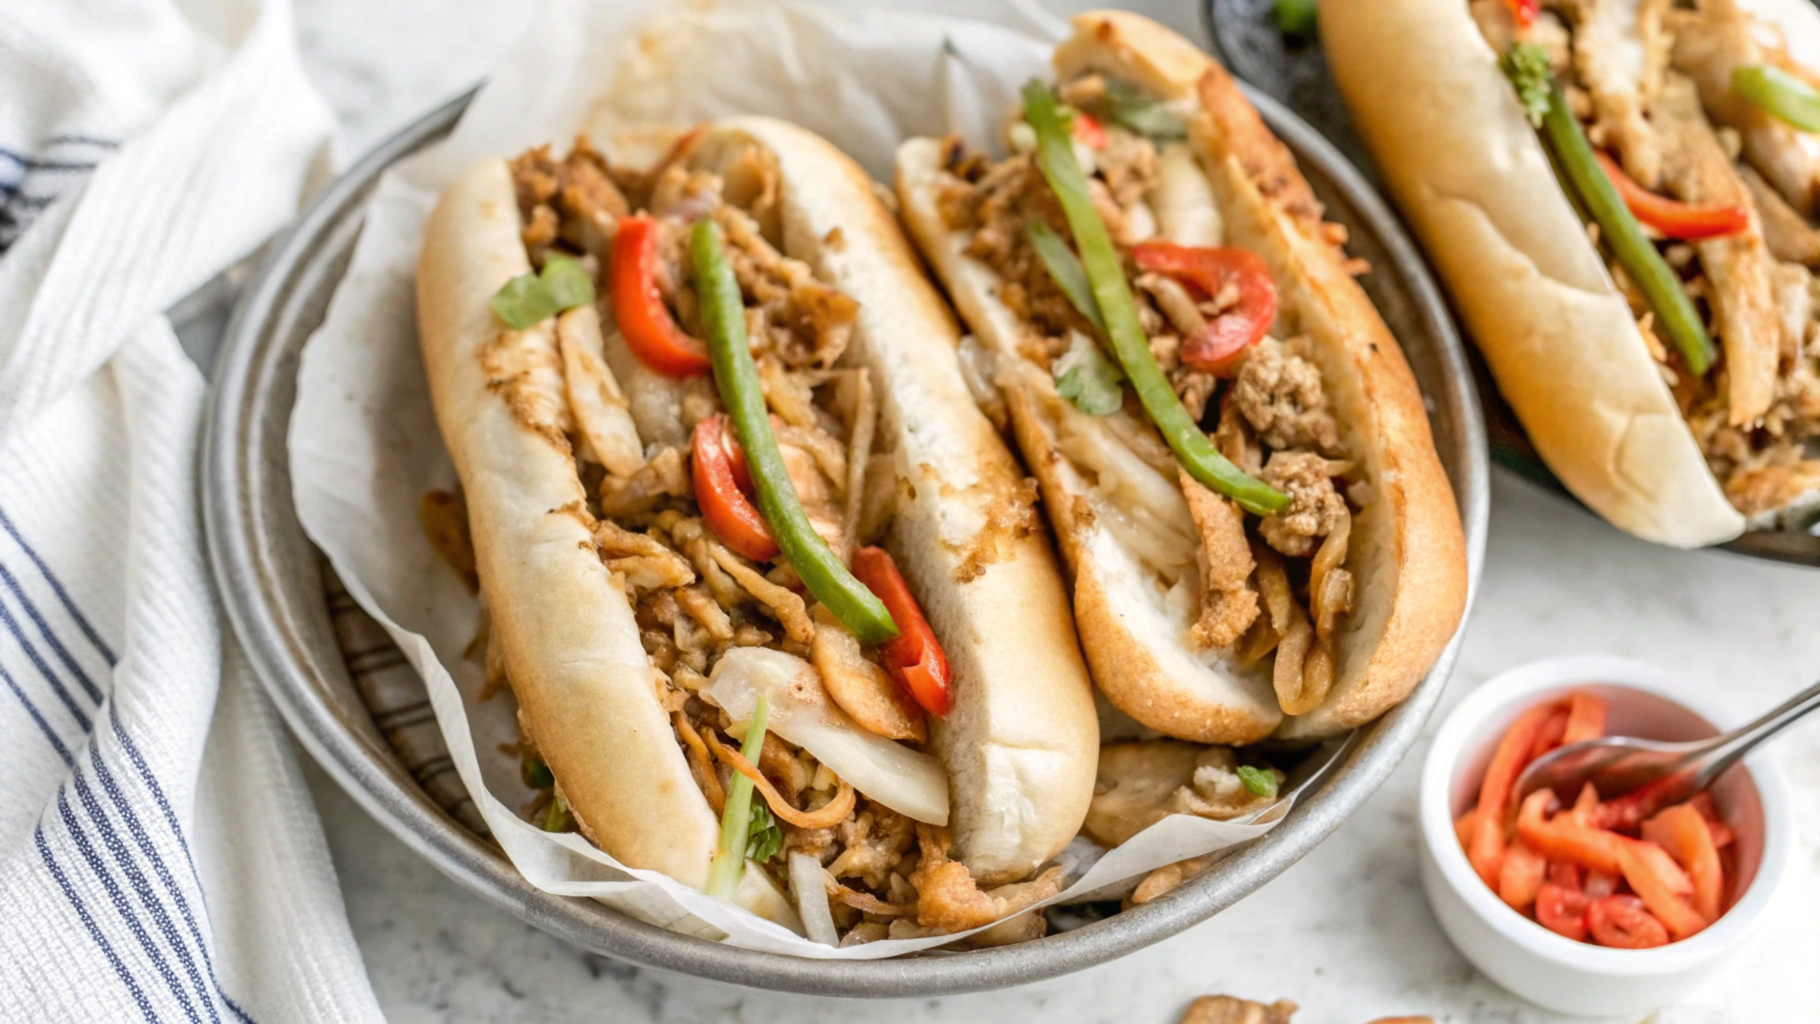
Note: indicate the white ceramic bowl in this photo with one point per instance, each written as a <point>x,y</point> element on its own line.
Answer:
<point>1528,959</point>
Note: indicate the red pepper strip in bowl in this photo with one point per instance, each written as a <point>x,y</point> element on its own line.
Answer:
<point>1674,219</point>
<point>1562,909</point>
<point>1524,11</point>
<point>1622,922</point>
<point>1656,880</point>
<point>914,656</point>
<point>1683,833</point>
<point>1089,131</point>
<point>1564,838</point>
<point>644,320</point>
<point>1216,348</point>
<point>727,511</point>
<point>1585,718</point>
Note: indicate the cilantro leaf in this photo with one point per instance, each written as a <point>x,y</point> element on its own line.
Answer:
<point>1258,781</point>
<point>1065,270</point>
<point>1085,377</point>
<point>764,838</point>
<point>528,298</point>
<point>1526,65</point>
<point>1132,108</point>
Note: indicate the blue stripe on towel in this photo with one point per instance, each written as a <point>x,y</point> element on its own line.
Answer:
<point>62,652</point>
<point>63,596</point>
<point>160,918</point>
<point>118,899</point>
<point>142,840</point>
<point>63,694</point>
<point>32,709</point>
<point>94,931</point>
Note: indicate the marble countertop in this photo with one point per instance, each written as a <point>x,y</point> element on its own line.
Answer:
<point>1346,933</point>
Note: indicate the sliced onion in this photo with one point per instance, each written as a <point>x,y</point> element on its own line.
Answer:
<point>908,781</point>
<point>1186,211</point>
<point>812,899</point>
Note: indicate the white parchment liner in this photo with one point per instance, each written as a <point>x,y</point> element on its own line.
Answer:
<point>363,441</point>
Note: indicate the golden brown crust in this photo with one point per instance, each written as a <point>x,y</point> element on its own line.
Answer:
<point>1468,171</point>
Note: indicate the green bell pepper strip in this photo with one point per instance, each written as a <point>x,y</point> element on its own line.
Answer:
<point>1675,313</point>
<point>1779,94</point>
<point>723,315</point>
<point>736,819</point>
<point>1055,157</point>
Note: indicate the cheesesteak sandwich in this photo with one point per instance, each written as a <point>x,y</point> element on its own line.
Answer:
<point>739,528</point>
<point>1621,196</point>
<point>1231,447</point>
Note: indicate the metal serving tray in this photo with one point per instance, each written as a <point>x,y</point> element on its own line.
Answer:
<point>360,711</point>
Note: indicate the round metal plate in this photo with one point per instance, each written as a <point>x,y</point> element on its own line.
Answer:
<point>1247,40</point>
<point>272,581</point>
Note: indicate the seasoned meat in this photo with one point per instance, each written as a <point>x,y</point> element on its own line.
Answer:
<point>1696,169</point>
<point>572,200</point>
<point>807,323</point>
<point>1279,393</point>
<point>1228,603</point>
<point>1788,234</point>
<point>995,204</point>
<point>1317,506</point>
<point>1619,50</point>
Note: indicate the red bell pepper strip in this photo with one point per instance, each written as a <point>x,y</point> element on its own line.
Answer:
<point>644,321</point>
<point>1089,131</point>
<point>1562,910</point>
<point>1672,218</point>
<point>1520,876</point>
<point>728,512</point>
<point>1564,838</point>
<point>1226,337</point>
<point>1525,11</point>
<point>1656,881</point>
<point>1549,736</point>
<point>914,656</point>
<point>1683,833</point>
<point>1722,833</point>
<point>1623,923</point>
<point>1585,719</point>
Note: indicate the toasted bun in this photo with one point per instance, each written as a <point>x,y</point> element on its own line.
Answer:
<point>1472,177</point>
<point>584,685</point>
<point>1021,743</point>
<point>1408,553</point>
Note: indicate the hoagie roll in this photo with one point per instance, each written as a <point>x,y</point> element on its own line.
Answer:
<point>749,552</point>
<point>1232,450</point>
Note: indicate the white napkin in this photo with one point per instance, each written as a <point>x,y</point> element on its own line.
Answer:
<point>160,859</point>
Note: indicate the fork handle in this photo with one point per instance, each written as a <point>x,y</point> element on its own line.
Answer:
<point>1741,741</point>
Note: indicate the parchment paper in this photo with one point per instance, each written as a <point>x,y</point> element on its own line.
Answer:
<point>363,440</point>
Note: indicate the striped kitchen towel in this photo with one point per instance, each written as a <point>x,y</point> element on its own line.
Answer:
<point>160,859</point>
